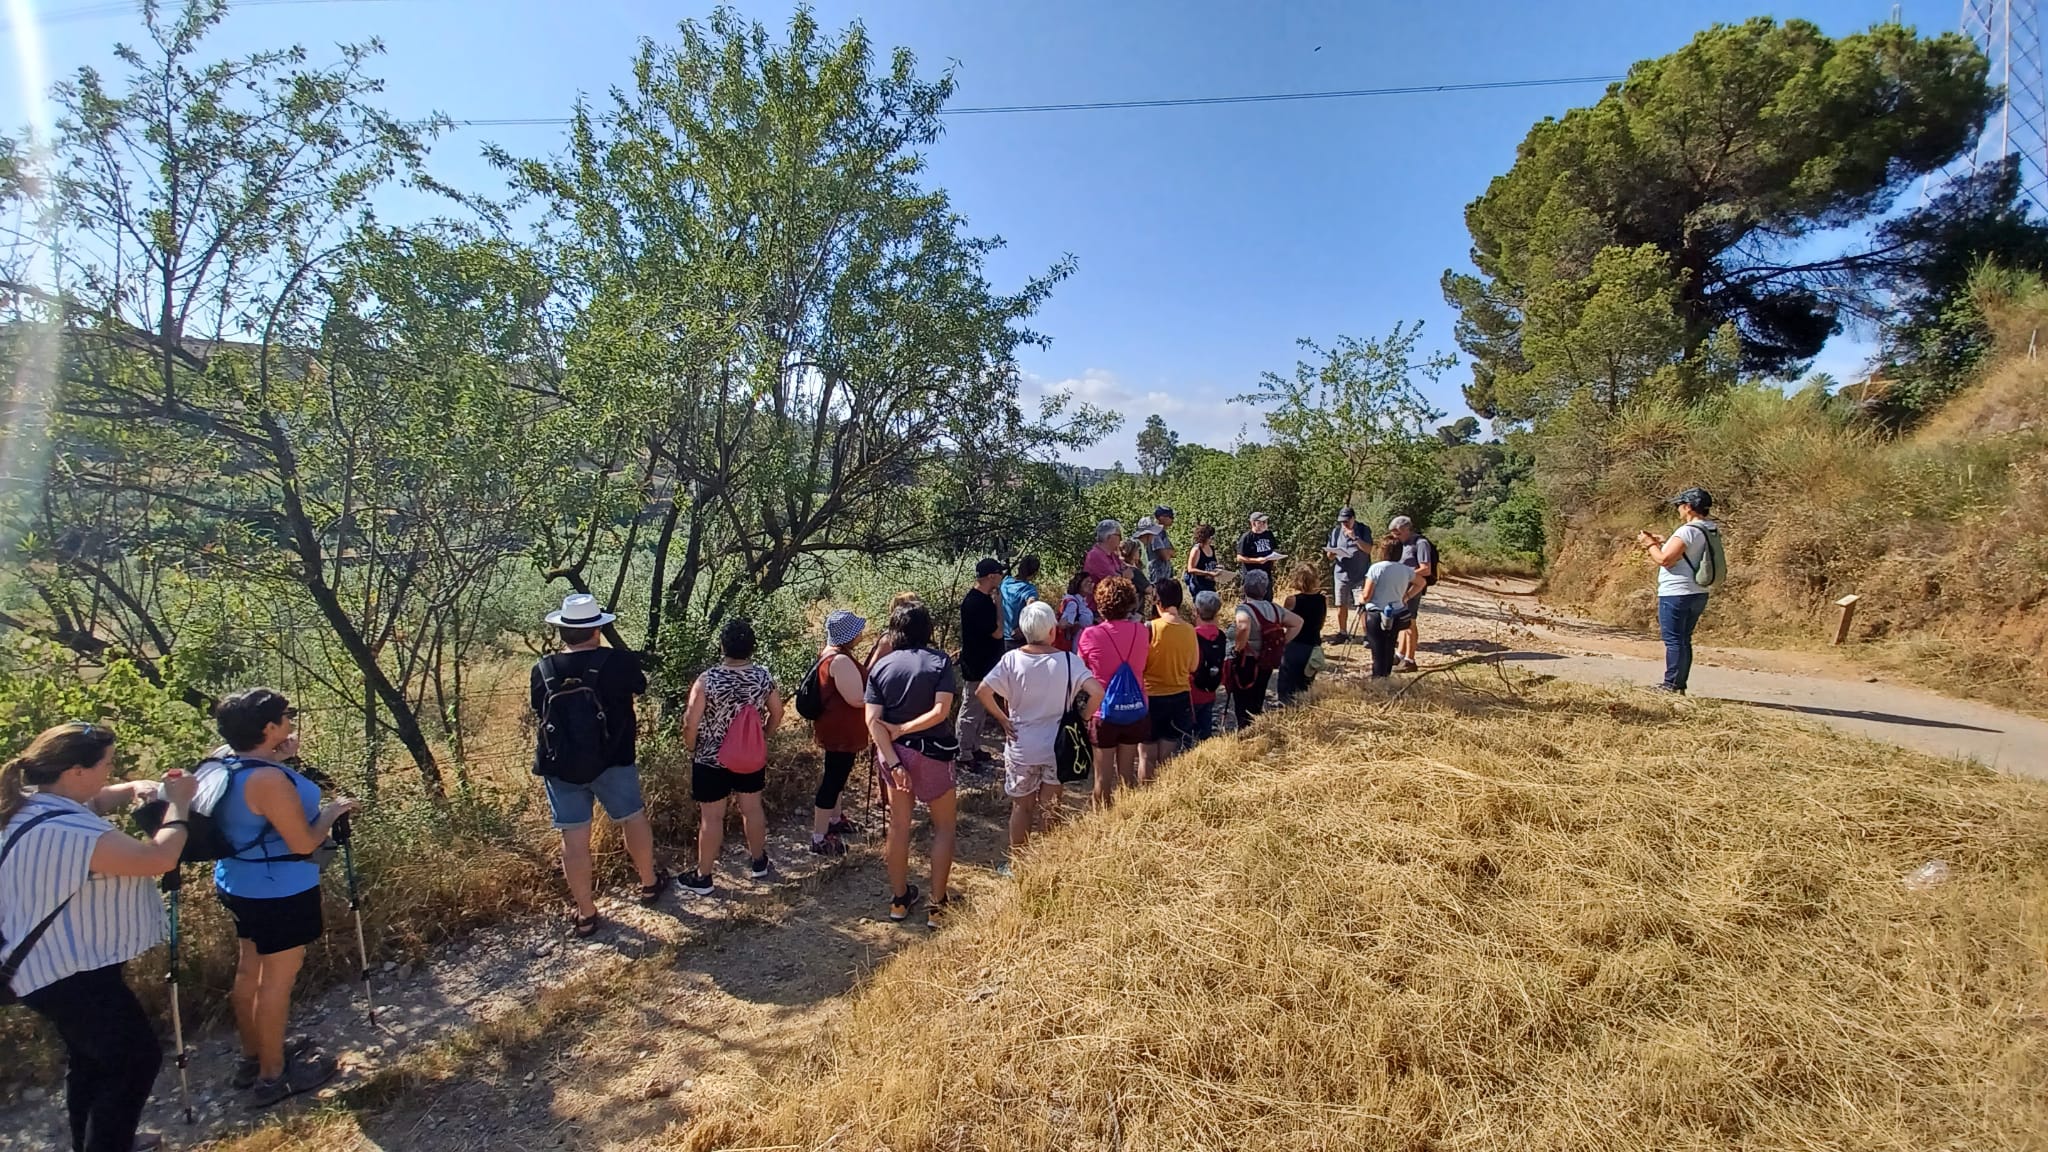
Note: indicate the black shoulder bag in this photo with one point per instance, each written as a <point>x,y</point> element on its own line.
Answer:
<point>12,964</point>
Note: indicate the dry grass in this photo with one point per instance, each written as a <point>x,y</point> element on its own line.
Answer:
<point>1582,919</point>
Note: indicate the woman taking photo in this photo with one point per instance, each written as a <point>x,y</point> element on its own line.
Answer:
<point>76,904</point>
<point>841,730</point>
<point>909,699</point>
<point>733,691</point>
<point>272,887</point>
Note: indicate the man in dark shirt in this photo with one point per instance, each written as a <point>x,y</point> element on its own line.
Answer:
<point>1350,550</point>
<point>1419,553</point>
<point>1255,548</point>
<point>584,679</point>
<point>981,645</point>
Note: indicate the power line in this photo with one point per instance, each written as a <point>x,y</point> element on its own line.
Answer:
<point>1172,102</point>
<point>115,8</point>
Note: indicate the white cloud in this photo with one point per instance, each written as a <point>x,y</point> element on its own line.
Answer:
<point>1202,414</point>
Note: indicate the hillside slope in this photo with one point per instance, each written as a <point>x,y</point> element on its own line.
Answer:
<point>1938,532</point>
<point>1556,919</point>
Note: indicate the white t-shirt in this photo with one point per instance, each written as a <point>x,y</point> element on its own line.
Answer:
<point>1389,580</point>
<point>1035,692</point>
<point>109,920</point>
<point>1677,580</point>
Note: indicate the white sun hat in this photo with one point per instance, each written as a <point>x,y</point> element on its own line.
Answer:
<point>580,610</point>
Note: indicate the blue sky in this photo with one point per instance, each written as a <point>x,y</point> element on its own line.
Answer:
<point>1208,239</point>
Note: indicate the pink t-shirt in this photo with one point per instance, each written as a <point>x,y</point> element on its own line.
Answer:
<point>1101,564</point>
<point>1114,642</point>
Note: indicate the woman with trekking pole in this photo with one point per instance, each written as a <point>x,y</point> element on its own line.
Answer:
<point>76,904</point>
<point>273,814</point>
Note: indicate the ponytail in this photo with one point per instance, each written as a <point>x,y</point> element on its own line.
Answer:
<point>47,757</point>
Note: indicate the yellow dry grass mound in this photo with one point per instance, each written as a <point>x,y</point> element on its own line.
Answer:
<point>1570,921</point>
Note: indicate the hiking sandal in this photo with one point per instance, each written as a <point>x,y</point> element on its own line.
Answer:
<point>299,1076</point>
<point>586,926</point>
<point>246,1070</point>
<point>650,894</point>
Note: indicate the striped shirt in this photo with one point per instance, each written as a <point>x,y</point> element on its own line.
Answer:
<point>111,919</point>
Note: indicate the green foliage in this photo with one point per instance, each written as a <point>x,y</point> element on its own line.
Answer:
<point>1628,233</point>
<point>41,687</point>
<point>1518,521</point>
<point>1157,445</point>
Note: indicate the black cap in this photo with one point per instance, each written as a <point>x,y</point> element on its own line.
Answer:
<point>1347,513</point>
<point>989,566</point>
<point>1696,498</point>
<point>1162,510</point>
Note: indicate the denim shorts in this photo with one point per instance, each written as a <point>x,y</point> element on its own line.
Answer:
<point>617,788</point>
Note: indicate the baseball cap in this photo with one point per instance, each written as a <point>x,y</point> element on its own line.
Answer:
<point>1261,516</point>
<point>989,566</point>
<point>1699,498</point>
<point>1162,510</point>
<point>1347,513</point>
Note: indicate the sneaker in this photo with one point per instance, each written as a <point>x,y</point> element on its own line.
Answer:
<point>758,868</point>
<point>900,906</point>
<point>828,845</point>
<point>299,1076</point>
<point>695,883</point>
<point>1406,666</point>
<point>842,827</point>
<point>1004,871</point>
<point>935,914</point>
<point>246,1070</point>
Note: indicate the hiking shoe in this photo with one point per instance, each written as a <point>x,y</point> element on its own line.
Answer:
<point>695,883</point>
<point>828,845</point>
<point>758,868</point>
<point>842,827</point>
<point>299,1076</point>
<point>1405,666</point>
<point>246,1070</point>
<point>935,914</point>
<point>900,906</point>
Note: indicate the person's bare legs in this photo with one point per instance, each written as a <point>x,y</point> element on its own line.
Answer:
<point>755,823</point>
<point>639,837</point>
<point>1049,796</point>
<point>1023,818</point>
<point>896,853</point>
<point>248,975</point>
<point>1405,643</point>
<point>1152,757</point>
<point>945,812</point>
<point>576,867</point>
<point>710,835</point>
<point>1105,778</point>
<point>1127,765</point>
<point>273,1007</point>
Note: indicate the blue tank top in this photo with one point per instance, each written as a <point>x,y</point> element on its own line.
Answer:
<point>256,872</point>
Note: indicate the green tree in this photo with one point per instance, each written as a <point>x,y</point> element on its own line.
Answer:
<point>1718,158</point>
<point>1157,446</point>
<point>783,348</point>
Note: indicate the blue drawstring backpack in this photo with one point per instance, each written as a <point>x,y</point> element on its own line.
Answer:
<point>1124,701</point>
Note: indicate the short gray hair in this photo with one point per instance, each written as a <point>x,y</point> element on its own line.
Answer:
<point>1104,529</point>
<point>1207,605</point>
<point>1400,522</point>
<point>1258,584</point>
<point>1037,622</point>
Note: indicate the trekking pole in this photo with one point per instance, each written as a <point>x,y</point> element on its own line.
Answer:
<point>344,835</point>
<point>173,885</point>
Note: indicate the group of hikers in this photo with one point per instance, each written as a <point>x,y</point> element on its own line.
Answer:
<point>1109,680</point>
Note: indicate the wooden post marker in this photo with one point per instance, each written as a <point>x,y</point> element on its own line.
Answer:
<point>1848,606</point>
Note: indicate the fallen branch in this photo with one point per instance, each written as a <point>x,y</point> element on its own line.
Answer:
<point>1493,658</point>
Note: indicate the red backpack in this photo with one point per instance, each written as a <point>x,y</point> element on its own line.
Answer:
<point>1261,654</point>
<point>745,747</point>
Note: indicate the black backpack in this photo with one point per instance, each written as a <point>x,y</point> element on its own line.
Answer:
<point>1208,675</point>
<point>1072,760</point>
<point>575,733</point>
<point>205,841</point>
<point>12,963</point>
<point>810,695</point>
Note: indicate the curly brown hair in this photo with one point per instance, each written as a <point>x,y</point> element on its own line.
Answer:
<point>1115,598</point>
<point>1307,578</point>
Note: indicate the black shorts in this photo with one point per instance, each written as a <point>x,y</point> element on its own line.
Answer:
<point>711,782</point>
<point>1173,719</point>
<point>276,923</point>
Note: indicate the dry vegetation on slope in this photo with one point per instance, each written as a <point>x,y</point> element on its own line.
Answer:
<point>1573,920</point>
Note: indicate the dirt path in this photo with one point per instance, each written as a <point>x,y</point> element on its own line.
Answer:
<point>521,1037</point>
<point>1466,617</point>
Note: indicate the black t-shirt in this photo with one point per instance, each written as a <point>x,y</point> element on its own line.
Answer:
<point>1312,607</point>
<point>981,643</point>
<point>619,679</point>
<point>1260,545</point>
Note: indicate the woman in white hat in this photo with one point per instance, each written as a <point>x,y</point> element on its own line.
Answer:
<point>841,730</point>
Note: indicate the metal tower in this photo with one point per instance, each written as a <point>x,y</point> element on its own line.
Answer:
<point>2009,34</point>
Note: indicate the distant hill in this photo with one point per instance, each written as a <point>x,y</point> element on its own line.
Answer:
<point>1083,475</point>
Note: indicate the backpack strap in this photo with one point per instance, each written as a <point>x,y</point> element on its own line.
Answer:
<point>12,964</point>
